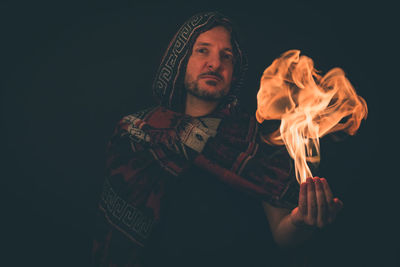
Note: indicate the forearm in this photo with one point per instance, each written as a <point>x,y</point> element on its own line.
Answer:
<point>316,209</point>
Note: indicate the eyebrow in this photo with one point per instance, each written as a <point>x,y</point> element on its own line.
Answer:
<point>208,44</point>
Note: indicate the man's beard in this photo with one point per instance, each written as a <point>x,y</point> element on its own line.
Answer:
<point>193,89</point>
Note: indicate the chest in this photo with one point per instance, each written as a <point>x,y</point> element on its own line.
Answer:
<point>207,219</point>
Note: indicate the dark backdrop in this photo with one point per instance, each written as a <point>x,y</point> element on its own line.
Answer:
<point>71,70</point>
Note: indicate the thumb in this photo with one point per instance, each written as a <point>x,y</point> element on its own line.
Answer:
<point>296,218</point>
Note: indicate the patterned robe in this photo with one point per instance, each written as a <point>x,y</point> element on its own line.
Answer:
<point>153,149</point>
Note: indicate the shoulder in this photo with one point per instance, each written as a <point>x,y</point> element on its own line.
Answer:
<point>134,120</point>
<point>131,119</point>
<point>129,126</point>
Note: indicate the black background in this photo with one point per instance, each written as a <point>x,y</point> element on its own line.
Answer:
<point>70,70</point>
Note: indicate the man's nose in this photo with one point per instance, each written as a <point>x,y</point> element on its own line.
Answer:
<point>214,62</point>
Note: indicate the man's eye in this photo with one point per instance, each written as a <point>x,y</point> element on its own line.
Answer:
<point>227,56</point>
<point>202,50</point>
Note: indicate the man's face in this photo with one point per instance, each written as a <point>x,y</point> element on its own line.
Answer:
<point>210,66</point>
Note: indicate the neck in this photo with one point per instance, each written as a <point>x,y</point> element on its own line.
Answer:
<point>197,107</point>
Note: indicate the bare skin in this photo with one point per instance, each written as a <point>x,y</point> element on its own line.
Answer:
<point>208,79</point>
<point>208,72</point>
<point>317,208</point>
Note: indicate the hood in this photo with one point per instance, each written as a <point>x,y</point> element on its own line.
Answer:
<point>168,86</point>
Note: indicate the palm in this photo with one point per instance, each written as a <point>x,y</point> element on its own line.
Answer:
<point>317,207</point>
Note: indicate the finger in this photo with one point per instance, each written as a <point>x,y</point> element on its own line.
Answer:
<point>329,200</point>
<point>327,189</point>
<point>311,202</point>
<point>303,199</point>
<point>338,204</point>
<point>322,213</point>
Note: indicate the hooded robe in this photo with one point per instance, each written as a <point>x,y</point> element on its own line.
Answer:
<point>185,191</point>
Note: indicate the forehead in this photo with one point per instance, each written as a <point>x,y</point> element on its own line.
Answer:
<point>216,36</point>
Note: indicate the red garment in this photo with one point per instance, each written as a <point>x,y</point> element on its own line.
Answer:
<point>151,150</point>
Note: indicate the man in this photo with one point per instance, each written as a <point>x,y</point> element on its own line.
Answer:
<point>186,179</point>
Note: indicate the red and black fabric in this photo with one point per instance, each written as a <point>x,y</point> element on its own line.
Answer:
<point>147,156</point>
<point>151,150</point>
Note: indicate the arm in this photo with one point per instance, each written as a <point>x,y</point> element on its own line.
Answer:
<point>317,208</point>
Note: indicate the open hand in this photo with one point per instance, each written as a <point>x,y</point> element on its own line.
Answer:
<point>317,207</point>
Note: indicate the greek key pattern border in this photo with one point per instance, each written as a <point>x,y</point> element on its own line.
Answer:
<point>178,44</point>
<point>125,217</point>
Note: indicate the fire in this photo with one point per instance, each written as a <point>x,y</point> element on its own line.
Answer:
<point>308,105</point>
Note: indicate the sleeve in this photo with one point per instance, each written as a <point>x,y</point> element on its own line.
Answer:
<point>273,170</point>
<point>239,157</point>
<point>130,202</point>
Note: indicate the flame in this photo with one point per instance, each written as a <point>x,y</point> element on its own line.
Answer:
<point>308,105</point>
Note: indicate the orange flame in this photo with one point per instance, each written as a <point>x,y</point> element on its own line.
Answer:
<point>308,105</point>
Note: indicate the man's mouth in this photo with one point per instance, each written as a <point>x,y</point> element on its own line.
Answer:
<point>211,76</point>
